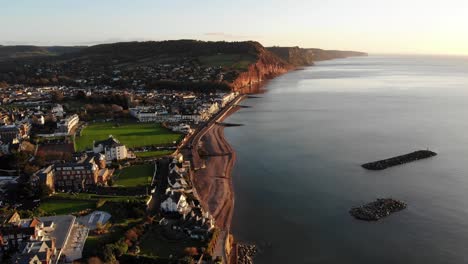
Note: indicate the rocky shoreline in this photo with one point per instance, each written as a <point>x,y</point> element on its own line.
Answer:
<point>245,253</point>
<point>398,160</point>
<point>378,209</point>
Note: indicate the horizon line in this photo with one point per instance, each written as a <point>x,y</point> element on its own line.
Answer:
<point>95,43</point>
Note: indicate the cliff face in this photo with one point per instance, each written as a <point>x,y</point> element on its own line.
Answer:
<point>274,61</point>
<point>306,57</point>
<point>321,55</point>
<point>267,66</point>
<point>294,55</point>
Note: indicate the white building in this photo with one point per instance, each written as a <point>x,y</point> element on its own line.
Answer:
<point>176,202</point>
<point>148,114</point>
<point>57,110</point>
<point>182,128</point>
<point>65,125</point>
<point>111,148</point>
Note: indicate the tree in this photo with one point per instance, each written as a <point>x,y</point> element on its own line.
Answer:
<point>3,85</point>
<point>191,251</point>
<point>131,235</point>
<point>94,260</point>
<point>120,248</point>
<point>107,253</point>
<point>80,95</point>
<point>30,169</point>
<point>39,161</point>
<point>44,191</point>
<point>57,96</point>
<point>110,182</point>
<point>187,260</point>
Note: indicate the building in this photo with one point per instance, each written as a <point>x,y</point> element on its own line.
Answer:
<point>38,252</point>
<point>5,147</point>
<point>176,203</point>
<point>182,128</point>
<point>78,175</point>
<point>111,148</point>
<point>12,132</point>
<point>66,125</point>
<point>8,218</point>
<point>57,110</point>
<point>5,183</point>
<point>83,173</point>
<point>8,133</point>
<point>48,238</point>
<point>38,119</point>
<point>46,176</point>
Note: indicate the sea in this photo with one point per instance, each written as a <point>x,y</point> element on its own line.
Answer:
<point>298,172</point>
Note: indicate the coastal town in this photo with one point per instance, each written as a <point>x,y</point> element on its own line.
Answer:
<point>69,163</point>
<point>116,153</point>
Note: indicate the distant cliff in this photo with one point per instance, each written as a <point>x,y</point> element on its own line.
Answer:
<point>294,55</point>
<point>239,64</point>
<point>306,57</point>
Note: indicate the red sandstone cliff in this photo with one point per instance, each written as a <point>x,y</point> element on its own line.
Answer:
<point>267,66</point>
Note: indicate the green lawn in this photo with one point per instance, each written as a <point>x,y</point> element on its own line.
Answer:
<point>64,206</point>
<point>65,203</point>
<point>153,154</point>
<point>137,175</point>
<point>129,134</point>
<point>154,244</point>
<point>95,197</point>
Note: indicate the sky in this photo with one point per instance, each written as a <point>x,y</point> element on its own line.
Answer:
<point>374,26</point>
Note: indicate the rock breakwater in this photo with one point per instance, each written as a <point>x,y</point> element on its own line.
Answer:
<point>378,209</point>
<point>246,253</point>
<point>398,160</point>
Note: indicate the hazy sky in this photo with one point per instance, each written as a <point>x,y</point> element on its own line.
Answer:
<point>376,26</point>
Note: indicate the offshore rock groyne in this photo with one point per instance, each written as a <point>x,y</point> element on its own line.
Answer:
<point>399,160</point>
<point>246,253</point>
<point>378,209</point>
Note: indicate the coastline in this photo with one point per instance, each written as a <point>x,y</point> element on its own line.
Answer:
<point>212,160</point>
<point>212,170</point>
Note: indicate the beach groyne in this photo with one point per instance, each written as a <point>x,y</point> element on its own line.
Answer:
<point>399,160</point>
<point>378,209</point>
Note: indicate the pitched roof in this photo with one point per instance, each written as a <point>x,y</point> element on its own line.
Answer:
<point>110,142</point>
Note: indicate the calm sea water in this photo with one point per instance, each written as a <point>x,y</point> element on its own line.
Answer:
<point>299,154</point>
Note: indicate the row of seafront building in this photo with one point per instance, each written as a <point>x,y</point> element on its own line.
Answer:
<point>160,112</point>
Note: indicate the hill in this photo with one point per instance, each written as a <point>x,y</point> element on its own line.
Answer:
<point>174,64</point>
<point>28,51</point>
<point>235,55</point>
<point>169,63</point>
<point>306,57</point>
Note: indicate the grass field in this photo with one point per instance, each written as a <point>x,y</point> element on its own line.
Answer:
<point>65,206</point>
<point>156,153</point>
<point>232,61</point>
<point>153,243</point>
<point>66,203</point>
<point>138,175</point>
<point>129,134</point>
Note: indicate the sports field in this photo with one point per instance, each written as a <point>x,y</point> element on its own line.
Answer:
<point>130,134</point>
<point>136,175</point>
